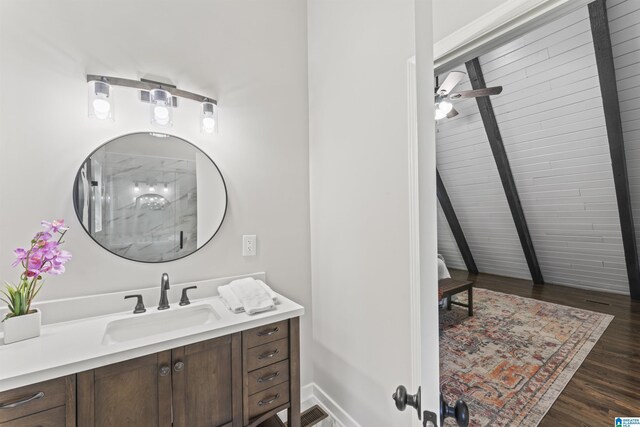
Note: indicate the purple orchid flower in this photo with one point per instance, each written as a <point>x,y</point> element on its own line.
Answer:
<point>21,255</point>
<point>42,256</point>
<point>41,237</point>
<point>55,226</point>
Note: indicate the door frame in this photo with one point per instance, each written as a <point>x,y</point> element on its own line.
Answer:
<point>414,232</point>
<point>512,19</point>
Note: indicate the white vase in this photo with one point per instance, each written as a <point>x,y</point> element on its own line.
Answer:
<point>23,327</point>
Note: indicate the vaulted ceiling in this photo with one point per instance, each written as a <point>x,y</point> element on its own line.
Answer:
<point>552,122</point>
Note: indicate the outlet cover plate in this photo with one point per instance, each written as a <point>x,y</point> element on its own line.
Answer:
<point>249,245</point>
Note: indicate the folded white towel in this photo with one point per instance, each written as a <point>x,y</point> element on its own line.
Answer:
<point>248,295</point>
<point>230,299</point>
<point>271,292</point>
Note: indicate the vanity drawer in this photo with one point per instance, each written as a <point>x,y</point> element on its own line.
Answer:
<point>269,376</point>
<point>50,418</point>
<point>268,399</point>
<point>267,354</point>
<point>33,398</point>
<point>264,334</point>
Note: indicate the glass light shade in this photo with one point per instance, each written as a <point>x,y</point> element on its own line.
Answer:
<point>446,107</point>
<point>161,107</point>
<point>100,100</point>
<point>440,114</point>
<point>209,118</point>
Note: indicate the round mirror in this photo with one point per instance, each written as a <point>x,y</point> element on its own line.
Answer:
<point>150,197</point>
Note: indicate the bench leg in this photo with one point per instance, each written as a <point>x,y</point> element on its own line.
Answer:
<point>470,297</point>
<point>449,302</point>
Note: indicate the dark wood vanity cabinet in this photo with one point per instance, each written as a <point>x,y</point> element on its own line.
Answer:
<point>207,386</point>
<point>238,380</point>
<point>46,404</point>
<point>136,392</point>
<point>271,372</point>
<point>190,386</point>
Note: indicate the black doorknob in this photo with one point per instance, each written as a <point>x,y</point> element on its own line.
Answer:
<point>403,399</point>
<point>459,412</point>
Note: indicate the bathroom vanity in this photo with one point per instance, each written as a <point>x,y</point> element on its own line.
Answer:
<point>231,370</point>
<point>100,362</point>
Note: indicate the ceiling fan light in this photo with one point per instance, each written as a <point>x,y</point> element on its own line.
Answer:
<point>440,114</point>
<point>445,107</point>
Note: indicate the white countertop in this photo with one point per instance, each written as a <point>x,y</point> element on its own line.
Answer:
<point>75,346</point>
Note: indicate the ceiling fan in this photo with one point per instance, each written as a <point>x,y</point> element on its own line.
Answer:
<point>443,95</point>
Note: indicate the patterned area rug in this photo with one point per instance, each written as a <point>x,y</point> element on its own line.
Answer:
<point>513,358</point>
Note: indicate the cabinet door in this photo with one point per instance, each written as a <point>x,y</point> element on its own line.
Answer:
<point>132,393</point>
<point>207,383</point>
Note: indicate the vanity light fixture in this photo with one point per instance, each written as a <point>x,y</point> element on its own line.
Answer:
<point>100,100</point>
<point>151,188</point>
<point>166,188</point>
<point>161,107</point>
<point>162,97</point>
<point>136,188</point>
<point>208,117</point>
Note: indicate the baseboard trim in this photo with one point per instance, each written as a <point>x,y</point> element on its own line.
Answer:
<point>343,419</point>
<point>311,394</point>
<point>306,392</point>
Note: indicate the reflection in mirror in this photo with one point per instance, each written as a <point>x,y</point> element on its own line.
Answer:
<point>150,197</point>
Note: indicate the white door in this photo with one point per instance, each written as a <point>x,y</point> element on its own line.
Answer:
<point>373,209</point>
<point>423,223</point>
<point>425,361</point>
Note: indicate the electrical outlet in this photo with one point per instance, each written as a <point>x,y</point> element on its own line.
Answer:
<point>249,245</point>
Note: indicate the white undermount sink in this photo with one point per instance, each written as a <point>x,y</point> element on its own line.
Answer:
<point>158,322</point>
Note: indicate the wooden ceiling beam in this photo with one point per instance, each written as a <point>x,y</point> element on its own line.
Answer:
<point>504,169</point>
<point>455,226</point>
<point>609,90</point>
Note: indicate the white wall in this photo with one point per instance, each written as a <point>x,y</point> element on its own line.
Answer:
<point>552,122</point>
<point>251,55</point>
<point>358,54</point>
<point>469,173</point>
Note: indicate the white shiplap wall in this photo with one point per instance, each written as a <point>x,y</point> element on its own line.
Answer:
<point>470,175</point>
<point>624,25</point>
<point>552,123</point>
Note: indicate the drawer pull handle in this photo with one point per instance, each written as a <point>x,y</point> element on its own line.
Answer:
<point>36,396</point>
<point>268,332</point>
<point>268,378</point>
<point>268,354</point>
<point>269,401</point>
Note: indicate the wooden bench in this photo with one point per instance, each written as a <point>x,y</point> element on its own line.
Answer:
<point>449,287</point>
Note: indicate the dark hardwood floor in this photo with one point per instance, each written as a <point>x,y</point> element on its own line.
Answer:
<point>607,384</point>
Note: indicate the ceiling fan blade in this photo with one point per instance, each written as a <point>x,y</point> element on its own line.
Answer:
<point>476,93</point>
<point>450,82</point>
<point>452,113</point>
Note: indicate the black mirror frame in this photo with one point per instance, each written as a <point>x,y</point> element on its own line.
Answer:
<point>75,205</point>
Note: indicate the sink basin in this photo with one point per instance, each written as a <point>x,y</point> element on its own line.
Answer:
<point>159,322</point>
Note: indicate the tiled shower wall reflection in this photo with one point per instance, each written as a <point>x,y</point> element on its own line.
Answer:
<point>128,227</point>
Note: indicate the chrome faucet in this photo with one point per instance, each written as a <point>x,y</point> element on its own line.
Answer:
<point>164,287</point>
